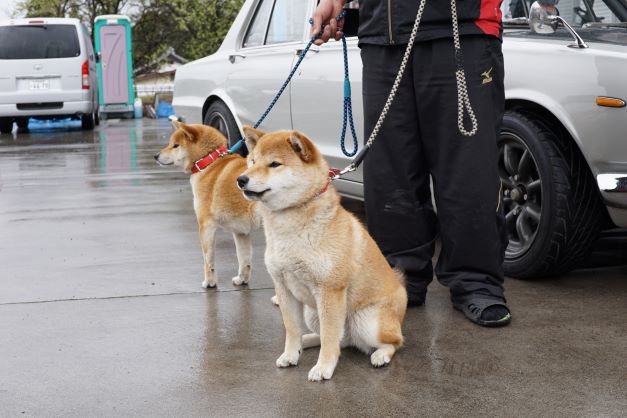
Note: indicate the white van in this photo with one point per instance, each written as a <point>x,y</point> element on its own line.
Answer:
<point>48,71</point>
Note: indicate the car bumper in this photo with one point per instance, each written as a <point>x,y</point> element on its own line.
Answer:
<point>613,187</point>
<point>66,108</point>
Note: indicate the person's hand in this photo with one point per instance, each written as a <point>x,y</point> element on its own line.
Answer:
<point>325,14</point>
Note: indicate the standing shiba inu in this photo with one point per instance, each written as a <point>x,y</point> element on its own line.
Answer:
<point>326,269</point>
<point>201,150</point>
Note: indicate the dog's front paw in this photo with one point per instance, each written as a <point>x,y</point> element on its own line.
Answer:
<point>288,359</point>
<point>275,300</point>
<point>208,283</point>
<point>319,372</point>
<point>239,280</point>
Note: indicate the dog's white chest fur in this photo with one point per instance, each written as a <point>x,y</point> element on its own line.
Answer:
<point>296,259</point>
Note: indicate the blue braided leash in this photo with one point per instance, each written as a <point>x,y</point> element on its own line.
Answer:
<point>348,106</point>
<point>348,109</point>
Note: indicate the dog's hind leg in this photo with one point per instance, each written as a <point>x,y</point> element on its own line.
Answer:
<point>311,340</point>
<point>383,355</point>
<point>378,329</point>
<point>207,233</point>
<point>244,248</point>
<point>390,336</point>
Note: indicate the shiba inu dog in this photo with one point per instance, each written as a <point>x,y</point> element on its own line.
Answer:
<point>201,150</point>
<point>327,270</point>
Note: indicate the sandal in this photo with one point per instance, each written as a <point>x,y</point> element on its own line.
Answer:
<point>473,307</point>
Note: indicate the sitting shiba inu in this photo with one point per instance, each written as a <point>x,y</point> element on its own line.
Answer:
<point>326,269</point>
<point>201,150</point>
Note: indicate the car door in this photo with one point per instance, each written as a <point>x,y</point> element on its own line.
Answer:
<point>317,98</point>
<point>262,63</point>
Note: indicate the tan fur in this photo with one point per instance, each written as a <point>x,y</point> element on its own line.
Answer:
<point>327,270</point>
<point>217,200</point>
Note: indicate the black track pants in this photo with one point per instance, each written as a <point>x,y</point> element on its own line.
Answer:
<point>419,139</point>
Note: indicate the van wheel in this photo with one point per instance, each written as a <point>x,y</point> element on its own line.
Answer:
<point>87,122</point>
<point>552,206</point>
<point>6,125</point>
<point>22,123</point>
<point>219,116</point>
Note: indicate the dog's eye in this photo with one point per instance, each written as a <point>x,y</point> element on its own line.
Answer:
<point>274,164</point>
<point>175,146</point>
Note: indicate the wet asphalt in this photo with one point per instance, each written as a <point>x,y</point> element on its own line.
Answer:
<point>102,313</point>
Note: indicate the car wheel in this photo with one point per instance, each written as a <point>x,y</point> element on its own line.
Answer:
<point>22,123</point>
<point>87,122</point>
<point>6,125</point>
<point>97,118</point>
<point>219,116</point>
<point>553,212</point>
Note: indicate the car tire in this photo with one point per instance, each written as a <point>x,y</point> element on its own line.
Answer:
<point>553,209</point>
<point>87,122</point>
<point>6,125</point>
<point>220,117</point>
<point>97,118</point>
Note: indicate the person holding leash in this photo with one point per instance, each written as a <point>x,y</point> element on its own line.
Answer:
<point>421,140</point>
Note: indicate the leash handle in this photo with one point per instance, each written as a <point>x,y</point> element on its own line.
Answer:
<point>348,107</point>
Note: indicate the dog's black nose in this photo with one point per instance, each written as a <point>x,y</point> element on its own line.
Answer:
<point>157,156</point>
<point>242,181</point>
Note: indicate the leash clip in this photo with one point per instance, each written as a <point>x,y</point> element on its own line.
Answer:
<point>339,173</point>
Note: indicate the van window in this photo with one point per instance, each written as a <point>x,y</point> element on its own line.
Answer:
<point>38,42</point>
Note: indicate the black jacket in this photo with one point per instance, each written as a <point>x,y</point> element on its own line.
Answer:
<point>388,22</point>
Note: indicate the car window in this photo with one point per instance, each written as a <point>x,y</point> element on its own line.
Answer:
<point>287,22</point>
<point>38,42</point>
<point>257,29</point>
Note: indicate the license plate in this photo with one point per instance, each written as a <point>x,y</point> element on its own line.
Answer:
<point>39,84</point>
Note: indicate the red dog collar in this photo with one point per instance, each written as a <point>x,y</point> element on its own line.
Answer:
<point>207,160</point>
<point>333,172</point>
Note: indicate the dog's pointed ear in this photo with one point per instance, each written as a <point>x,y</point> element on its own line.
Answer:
<point>302,146</point>
<point>189,131</point>
<point>175,123</point>
<point>252,135</point>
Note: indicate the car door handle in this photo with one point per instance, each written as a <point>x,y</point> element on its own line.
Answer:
<point>234,57</point>
<point>300,50</point>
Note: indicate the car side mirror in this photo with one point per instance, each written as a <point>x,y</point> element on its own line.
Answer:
<point>544,18</point>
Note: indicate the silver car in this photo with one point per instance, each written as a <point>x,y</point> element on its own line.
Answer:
<point>47,70</point>
<point>563,144</point>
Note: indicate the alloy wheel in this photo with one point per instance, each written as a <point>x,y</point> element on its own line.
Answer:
<point>522,193</point>
<point>217,120</point>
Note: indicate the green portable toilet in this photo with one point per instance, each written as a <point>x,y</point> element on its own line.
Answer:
<point>115,65</point>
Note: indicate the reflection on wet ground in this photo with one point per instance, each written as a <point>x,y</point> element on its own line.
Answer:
<point>102,313</point>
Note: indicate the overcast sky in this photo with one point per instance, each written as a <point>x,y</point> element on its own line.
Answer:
<point>6,8</point>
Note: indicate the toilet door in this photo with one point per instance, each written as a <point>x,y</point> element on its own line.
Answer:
<point>114,64</point>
